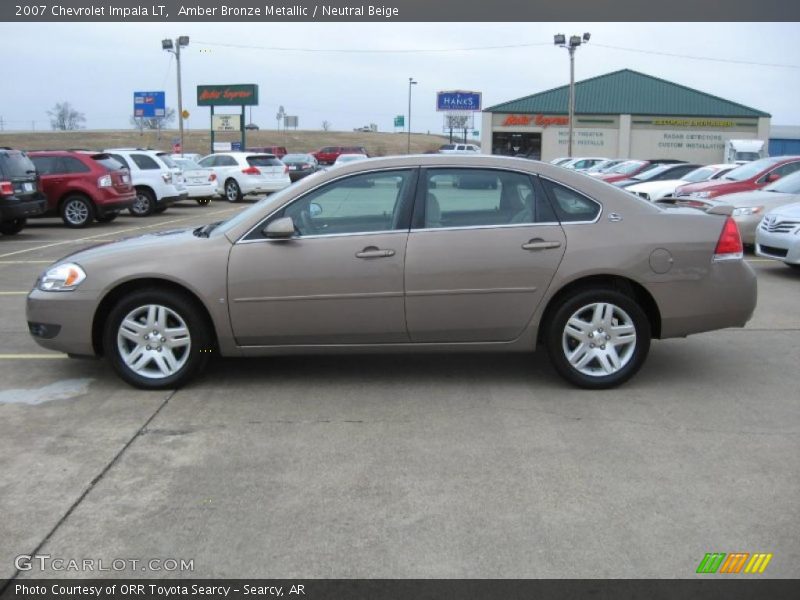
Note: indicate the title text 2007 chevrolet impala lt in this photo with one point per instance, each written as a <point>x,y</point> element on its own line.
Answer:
<point>418,253</point>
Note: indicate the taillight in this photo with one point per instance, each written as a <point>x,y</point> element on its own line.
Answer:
<point>729,245</point>
<point>212,177</point>
<point>104,181</point>
<point>251,171</point>
<point>6,188</point>
<point>167,177</point>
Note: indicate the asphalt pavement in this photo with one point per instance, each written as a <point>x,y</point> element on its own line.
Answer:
<point>475,466</point>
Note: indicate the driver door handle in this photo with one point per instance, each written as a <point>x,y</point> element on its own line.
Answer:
<point>374,252</point>
<point>540,244</point>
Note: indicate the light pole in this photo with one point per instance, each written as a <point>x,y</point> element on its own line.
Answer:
<point>574,41</point>
<point>175,48</point>
<point>410,83</point>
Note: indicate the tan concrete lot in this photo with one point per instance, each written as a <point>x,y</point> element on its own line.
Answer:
<point>399,466</point>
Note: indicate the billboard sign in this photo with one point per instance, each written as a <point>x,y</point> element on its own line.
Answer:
<point>458,100</point>
<point>239,94</point>
<point>149,105</point>
<point>400,121</point>
<point>226,122</point>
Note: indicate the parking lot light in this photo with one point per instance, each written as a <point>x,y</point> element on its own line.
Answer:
<point>410,83</point>
<point>560,40</point>
<point>175,48</point>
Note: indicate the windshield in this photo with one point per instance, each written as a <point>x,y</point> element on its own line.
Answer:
<point>297,158</point>
<point>701,174</point>
<point>789,184</point>
<point>747,156</point>
<point>750,169</point>
<point>628,167</point>
<point>652,172</point>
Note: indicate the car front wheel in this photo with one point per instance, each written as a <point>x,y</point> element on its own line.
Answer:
<point>157,339</point>
<point>232,191</point>
<point>598,339</point>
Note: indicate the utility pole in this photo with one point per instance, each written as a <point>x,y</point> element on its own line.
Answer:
<point>410,83</point>
<point>574,41</point>
<point>175,48</point>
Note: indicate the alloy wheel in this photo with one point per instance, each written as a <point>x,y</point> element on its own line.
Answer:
<point>154,341</point>
<point>599,339</point>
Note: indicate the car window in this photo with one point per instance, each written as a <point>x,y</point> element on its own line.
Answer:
<point>358,204</point>
<point>145,162</point>
<point>208,161</point>
<point>223,160</point>
<point>481,197</point>
<point>786,185</point>
<point>263,161</point>
<point>109,162</point>
<point>70,164</point>
<point>121,160</point>
<point>786,169</point>
<point>46,165</point>
<point>569,205</point>
<point>167,160</point>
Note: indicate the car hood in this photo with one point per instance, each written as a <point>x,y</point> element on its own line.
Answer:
<point>711,185</point>
<point>791,211</point>
<point>649,186</point>
<point>159,243</point>
<point>757,198</point>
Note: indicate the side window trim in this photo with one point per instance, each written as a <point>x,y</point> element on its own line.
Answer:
<point>553,202</point>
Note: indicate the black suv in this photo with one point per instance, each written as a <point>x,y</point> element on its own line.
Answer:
<point>20,192</point>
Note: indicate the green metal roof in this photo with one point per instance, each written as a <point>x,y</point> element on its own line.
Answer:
<point>628,92</point>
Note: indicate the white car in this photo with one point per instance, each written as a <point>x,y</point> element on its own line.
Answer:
<point>201,183</point>
<point>582,163</point>
<point>158,181</point>
<point>190,155</point>
<point>778,235</point>
<point>656,190</point>
<point>459,149</point>
<point>343,159</point>
<point>243,173</point>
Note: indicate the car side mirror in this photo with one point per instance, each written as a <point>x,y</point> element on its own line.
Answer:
<point>279,229</point>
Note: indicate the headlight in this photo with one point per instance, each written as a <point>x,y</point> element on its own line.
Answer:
<point>747,211</point>
<point>63,278</point>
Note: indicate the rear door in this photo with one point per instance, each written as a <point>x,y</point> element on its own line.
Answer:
<point>483,248</point>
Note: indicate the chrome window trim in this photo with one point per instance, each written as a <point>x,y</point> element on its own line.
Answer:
<point>326,236</point>
<point>500,226</point>
<point>261,222</point>
<point>569,187</point>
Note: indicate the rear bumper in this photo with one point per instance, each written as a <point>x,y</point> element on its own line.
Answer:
<point>21,209</point>
<point>264,186</point>
<point>207,190</point>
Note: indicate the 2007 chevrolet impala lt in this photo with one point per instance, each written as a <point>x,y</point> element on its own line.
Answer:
<point>417,253</point>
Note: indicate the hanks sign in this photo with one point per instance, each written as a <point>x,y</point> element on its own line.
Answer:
<point>458,100</point>
<point>240,94</point>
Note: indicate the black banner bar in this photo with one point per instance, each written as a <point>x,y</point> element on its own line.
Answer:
<point>733,588</point>
<point>397,11</point>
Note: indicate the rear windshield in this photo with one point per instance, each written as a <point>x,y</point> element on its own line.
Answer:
<point>263,161</point>
<point>186,163</point>
<point>297,158</point>
<point>110,163</point>
<point>751,169</point>
<point>167,160</point>
<point>14,163</point>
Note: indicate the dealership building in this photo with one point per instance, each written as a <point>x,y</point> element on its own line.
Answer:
<point>624,114</point>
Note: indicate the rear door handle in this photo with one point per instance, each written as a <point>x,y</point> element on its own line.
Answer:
<point>374,252</point>
<point>540,244</point>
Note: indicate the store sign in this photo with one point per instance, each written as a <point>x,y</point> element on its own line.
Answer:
<point>536,121</point>
<point>674,122</point>
<point>244,94</point>
<point>226,122</point>
<point>458,100</point>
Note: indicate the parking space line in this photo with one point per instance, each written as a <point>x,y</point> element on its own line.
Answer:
<point>25,262</point>
<point>13,293</point>
<point>20,356</point>
<point>107,234</point>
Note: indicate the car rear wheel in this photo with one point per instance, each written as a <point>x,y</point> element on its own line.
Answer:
<point>145,203</point>
<point>77,211</point>
<point>598,338</point>
<point>232,191</point>
<point>12,227</point>
<point>107,218</point>
<point>156,339</point>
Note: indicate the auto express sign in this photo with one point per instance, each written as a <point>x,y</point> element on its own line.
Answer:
<point>458,100</point>
<point>240,94</point>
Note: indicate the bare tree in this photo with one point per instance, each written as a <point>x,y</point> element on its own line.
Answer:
<point>65,118</point>
<point>326,126</point>
<point>142,123</point>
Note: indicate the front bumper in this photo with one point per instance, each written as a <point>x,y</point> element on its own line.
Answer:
<point>22,209</point>
<point>747,228</point>
<point>779,246</point>
<point>62,321</point>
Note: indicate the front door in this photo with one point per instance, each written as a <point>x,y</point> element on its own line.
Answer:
<point>339,280</point>
<point>482,251</point>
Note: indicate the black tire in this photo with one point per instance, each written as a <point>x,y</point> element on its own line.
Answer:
<point>795,267</point>
<point>580,306</point>
<point>77,211</point>
<point>200,336</point>
<point>107,218</point>
<point>145,203</point>
<point>232,192</point>
<point>12,227</point>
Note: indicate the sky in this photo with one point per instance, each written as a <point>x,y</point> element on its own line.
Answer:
<point>353,74</point>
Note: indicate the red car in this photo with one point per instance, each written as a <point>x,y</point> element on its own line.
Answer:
<point>629,168</point>
<point>329,154</point>
<point>83,186</point>
<point>750,176</point>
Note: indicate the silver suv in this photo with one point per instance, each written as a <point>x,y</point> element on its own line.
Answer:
<point>159,182</point>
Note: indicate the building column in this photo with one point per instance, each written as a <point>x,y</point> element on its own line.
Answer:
<point>763,129</point>
<point>624,137</point>
<point>486,133</point>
